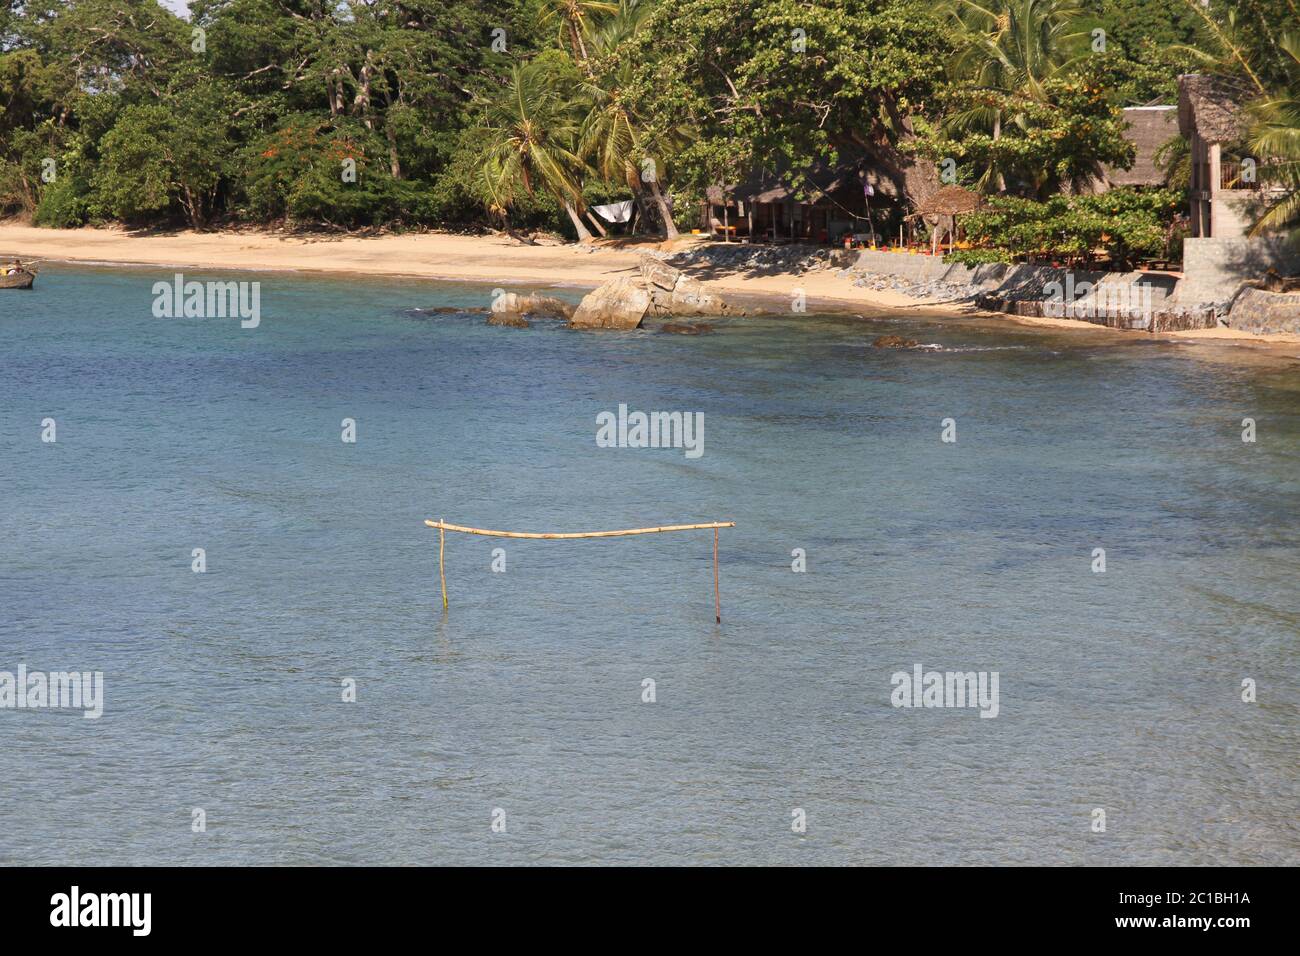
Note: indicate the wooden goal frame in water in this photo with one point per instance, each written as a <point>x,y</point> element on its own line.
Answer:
<point>443,527</point>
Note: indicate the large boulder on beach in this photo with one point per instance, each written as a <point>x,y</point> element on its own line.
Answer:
<point>689,297</point>
<point>658,274</point>
<point>618,304</point>
<point>674,293</point>
<point>512,303</point>
<point>693,297</point>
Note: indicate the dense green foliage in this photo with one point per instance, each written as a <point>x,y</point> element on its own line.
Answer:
<point>1059,137</point>
<point>247,111</point>
<point>1126,223</point>
<point>523,112</point>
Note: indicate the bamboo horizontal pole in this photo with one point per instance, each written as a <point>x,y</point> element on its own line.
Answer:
<point>444,526</point>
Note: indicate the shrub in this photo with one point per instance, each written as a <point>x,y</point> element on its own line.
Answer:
<point>64,204</point>
<point>296,171</point>
<point>1122,224</point>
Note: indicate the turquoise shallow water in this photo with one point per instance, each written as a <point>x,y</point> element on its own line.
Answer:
<point>223,690</point>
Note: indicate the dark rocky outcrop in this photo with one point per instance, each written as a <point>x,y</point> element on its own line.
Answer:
<point>512,319</point>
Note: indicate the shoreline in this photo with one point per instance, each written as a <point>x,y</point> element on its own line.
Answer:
<point>495,259</point>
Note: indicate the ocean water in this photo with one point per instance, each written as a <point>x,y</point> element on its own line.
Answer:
<point>224,691</point>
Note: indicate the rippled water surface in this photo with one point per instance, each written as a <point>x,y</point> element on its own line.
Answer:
<point>1119,691</point>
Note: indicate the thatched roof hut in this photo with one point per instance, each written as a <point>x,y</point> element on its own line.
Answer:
<point>1149,128</point>
<point>1210,107</point>
<point>766,187</point>
<point>949,201</point>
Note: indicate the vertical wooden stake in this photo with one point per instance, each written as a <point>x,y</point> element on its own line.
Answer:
<point>442,535</point>
<point>717,595</point>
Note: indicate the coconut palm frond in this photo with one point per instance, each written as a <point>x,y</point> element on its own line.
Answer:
<point>532,130</point>
<point>1283,214</point>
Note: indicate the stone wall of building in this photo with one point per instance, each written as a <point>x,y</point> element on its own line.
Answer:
<point>1215,270</point>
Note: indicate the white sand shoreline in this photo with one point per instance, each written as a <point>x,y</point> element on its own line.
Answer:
<point>500,261</point>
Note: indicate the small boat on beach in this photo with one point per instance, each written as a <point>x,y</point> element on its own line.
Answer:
<point>22,279</point>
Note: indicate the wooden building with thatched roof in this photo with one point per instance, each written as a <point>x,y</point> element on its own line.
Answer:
<point>1148,128</point>
<point>1225,189</point>
<point>820,206</point>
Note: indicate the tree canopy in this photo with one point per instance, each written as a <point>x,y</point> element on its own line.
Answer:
<point>360,113</point>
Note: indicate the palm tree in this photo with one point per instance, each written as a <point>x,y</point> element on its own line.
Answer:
<point>1228,52</point>
<point>1275,138</point>
<point>531,128</point>
<point>1011,47</point>
<point>573,20</point>
<point>613,136</point>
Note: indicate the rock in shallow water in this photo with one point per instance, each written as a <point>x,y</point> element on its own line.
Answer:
<point>512,319</point>
<point>511,303</point>
<point>618,304</point>
<point>686,328</point>
<point>894,342</point>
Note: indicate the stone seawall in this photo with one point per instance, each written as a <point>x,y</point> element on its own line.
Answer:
<point>1258,311</point>
<point>1124,300</point>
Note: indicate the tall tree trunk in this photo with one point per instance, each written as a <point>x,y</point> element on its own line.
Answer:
<point>337,94</point>
<point>670,228</point>
<point>916,177</point>
<point>579,48</point>
<point>361,102</point>
<point>645,218</point>
<point>29,193</point>
<point>583,234</point>
<point>193,207</point>
<point>997,135</point>
<point>394,160</point>
<point>595,221</point>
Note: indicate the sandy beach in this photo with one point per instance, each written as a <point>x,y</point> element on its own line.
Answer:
<point>486,258</point>
<point>494,259</point>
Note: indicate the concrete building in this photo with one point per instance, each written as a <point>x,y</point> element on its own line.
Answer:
<point>1226,197</point>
